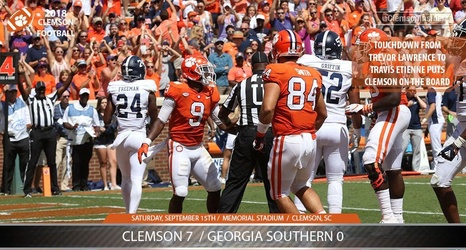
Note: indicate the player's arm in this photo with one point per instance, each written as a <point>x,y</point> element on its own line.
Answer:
<point>271,94</point>
<point>109,110</point>
<point>354,98</point>
<point>157,126</point>
<point>152,108</point>
<point>228,107</point>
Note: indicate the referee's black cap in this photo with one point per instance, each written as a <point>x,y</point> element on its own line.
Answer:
<point>259,57</point>
<point>40,84</point>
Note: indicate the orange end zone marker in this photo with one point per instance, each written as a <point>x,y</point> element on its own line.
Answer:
<point>233,218</point>
<point>46,181</point>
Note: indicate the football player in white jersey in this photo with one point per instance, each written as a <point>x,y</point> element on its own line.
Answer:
<point>333,136</point>
<point>453,156</point>
<point>133,99</point>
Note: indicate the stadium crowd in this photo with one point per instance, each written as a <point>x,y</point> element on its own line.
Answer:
<point>83,43</point>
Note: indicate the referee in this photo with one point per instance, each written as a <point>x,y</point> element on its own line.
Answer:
<point>248,95</point>
<point>43,134</point>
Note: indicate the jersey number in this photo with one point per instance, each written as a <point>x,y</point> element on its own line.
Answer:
<point>197,110</point>
<point>297,96</point>
<point>328,92</point>
<point>135,106</point>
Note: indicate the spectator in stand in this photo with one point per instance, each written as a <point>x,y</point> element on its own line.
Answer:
<point>43,75</point>
<point>57,60</point>
<point>205,21</point>
<point>234,39</point>
<point>355,16</point>
<point>84,79</point>
<point>249,36</point>
<point>17,138</point>
<point>103,147</point>
<point>260,29</point>
<point>113,37</point>
<point>280,21</point>
<point>239,72</point>
<point>109,74</point>
<point>222,64</point>
<point>166,25</point>
<point>168,55</point>
<point>123,29</point>
<point>81,41</point>
<point>36,52</point>
<point>83,123</point>
<point>229,17</point>
<point>449,107</point>
<point>20,41</point>
<point>76,18</point>
<point>153,73</point>
<point>414,132</point>
<point>213,6</point>
<point>442,19</point>
<point>252,14</point>
<point>363,24</point>
<point>332,23</point>
<point>301,29</point>
<point>63,152</point>
<point>264,9</point>
<point>97,31</point>
<point>461,14</point>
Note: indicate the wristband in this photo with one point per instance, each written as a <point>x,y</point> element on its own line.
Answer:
<point>459,142</point>
<point>147,141</point>
<point>262,128</point>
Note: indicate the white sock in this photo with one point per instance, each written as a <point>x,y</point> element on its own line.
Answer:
<point>335,197</point>
<point>384,201</point>
<point>397,208</point>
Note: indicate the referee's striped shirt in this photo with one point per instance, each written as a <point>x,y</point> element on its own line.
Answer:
<point>248,95</point>
<point>42,110</point>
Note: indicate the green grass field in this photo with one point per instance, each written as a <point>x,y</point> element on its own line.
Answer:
<point>420,203</point>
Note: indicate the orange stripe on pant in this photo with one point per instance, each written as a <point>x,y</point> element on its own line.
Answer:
<point>276,176</point>
<point>384,140</point>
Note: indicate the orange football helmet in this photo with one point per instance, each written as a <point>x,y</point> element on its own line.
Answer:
<point>198,68</point>
<point>366,40</point>
<point>287,43</point>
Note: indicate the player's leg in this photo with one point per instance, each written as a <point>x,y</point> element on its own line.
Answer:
<point>443,176</point>
<point>282,170</point>
<point>321,142</point>
<point>227,157</point>
<point>180,169</point>
<point>379,142</point>
<point>131,171</point>
<point>205,172</point>
<point>392,167</point>
<point>241,166</point>
<point>306,165</point>
<point>262,160</point>
<point>336,157</point>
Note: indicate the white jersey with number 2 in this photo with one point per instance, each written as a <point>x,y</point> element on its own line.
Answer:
<point>336,81</point>
<point>131,100</point>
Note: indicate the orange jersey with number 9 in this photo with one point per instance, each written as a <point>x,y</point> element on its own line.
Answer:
<point>294,113</point>
<point>192,108</point>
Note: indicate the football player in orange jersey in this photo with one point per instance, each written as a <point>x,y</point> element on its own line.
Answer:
<point>186,107</point>
<point>383,151</point>
<point>294,105</point>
